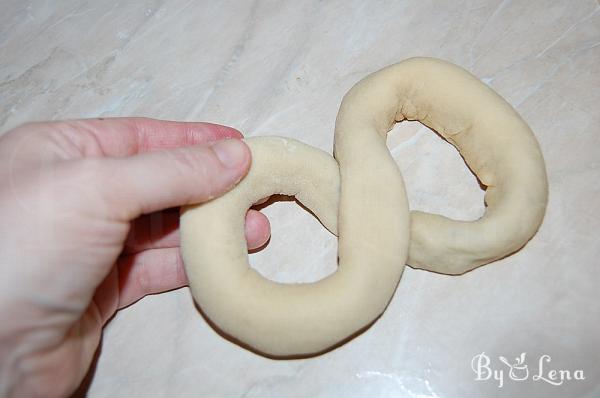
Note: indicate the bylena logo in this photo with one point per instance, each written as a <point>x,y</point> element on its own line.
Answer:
<point>519,370</point>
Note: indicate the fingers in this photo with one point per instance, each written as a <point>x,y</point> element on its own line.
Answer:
<point>39,144</point>
<point>258,229</point>
<point>149,272</point>
<point>160,230</point>
<point>158,270</point>
<point>129,136</point>
<point>148,182</point>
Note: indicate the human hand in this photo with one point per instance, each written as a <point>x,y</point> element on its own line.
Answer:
<point>88,227</point>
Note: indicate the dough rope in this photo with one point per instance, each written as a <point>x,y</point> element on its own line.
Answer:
<point>361,198</point>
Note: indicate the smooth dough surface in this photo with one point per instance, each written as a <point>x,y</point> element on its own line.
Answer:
<point>297,319</point>
<point>496,143</point>
<point>361,198</point>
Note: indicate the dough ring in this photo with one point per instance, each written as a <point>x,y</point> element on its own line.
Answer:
<point>373,223</point>
<point>496,143</point>
<point>297,319</point>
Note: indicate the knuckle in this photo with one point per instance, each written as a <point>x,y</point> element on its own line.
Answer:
<point>197,163</point>
<point>200,167</point>
<point>95,180</point>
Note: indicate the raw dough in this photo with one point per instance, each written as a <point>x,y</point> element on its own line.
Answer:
<point>495,142</point>
<point>298,319</point>
<point>373,222</point>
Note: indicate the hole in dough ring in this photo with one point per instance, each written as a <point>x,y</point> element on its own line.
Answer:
<point>494,140</point>
<point>297,319</point>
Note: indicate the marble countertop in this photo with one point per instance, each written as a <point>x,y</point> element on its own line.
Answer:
<point>274,67</point>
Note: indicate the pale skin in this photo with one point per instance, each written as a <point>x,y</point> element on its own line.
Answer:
<point>90,225</point>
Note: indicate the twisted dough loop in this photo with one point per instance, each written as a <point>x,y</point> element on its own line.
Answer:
<point>372,219</point>
<point>493,139</point>
<point>293,319</point>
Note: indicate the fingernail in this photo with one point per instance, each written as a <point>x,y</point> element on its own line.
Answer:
<point>231,152</point>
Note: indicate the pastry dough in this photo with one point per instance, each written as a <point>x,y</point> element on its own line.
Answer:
<point>362,199</point>
<point>495,142</point>
<point>297,319</point>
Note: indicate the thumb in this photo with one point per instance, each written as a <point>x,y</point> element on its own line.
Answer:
<point>154,181</point>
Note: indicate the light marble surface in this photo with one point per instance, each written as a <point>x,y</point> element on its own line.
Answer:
<point>273,67</point>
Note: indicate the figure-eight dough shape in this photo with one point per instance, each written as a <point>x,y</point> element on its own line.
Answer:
<point>361,198</point>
